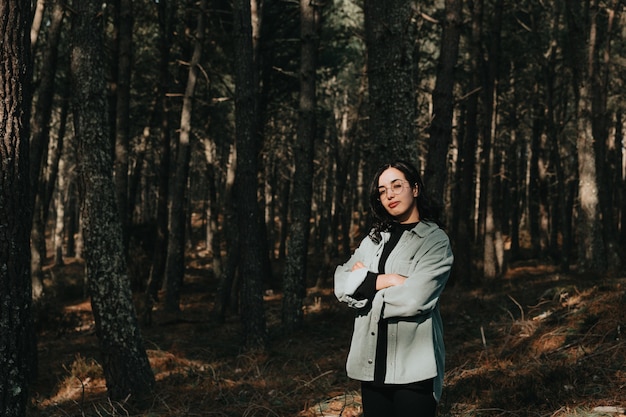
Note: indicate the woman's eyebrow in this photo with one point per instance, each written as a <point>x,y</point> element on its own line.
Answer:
<point>392,181</point>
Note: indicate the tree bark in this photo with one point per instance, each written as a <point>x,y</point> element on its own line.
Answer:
<point>228,266</point>
<point>591,251</point>
<point>436,171</point>
<point>250,217</point>
<point>390,38</point>
<point>18,351</point>
<point>604,32</point>
<point>463,230</point>
<point>124,360</point>
<point>492,224</point>
<point>122,113</point>
<point>535,183</point>
<point>295,277</point>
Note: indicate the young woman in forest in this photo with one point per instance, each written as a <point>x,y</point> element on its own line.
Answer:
<point>393,281</point>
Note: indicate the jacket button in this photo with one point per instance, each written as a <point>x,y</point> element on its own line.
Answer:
<point>373,333</point>
<point>370,361</point>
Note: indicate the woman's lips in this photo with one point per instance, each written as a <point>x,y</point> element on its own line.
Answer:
<point>393,204</point>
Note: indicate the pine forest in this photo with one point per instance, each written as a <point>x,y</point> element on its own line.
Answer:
<point>181,178</point>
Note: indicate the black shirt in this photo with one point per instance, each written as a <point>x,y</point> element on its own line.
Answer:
<point>368,290</point>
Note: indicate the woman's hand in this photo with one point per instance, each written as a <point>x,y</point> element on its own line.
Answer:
<point>383,280</point>
<point>389,280</point>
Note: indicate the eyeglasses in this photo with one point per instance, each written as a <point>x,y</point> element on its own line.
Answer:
<point>396,188</point>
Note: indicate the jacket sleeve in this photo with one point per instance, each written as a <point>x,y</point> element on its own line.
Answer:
<point>427,277</point>
<point>347,281</point>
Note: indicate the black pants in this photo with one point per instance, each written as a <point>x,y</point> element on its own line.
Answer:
<point>410,400</point>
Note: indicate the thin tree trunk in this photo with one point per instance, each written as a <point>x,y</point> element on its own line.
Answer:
<point>225,290</point>
<point>592,256</point>
<point>159,256</point>
<point>463,235</point>
<point>177,212</point>
<point>600,127</point>
<point>515,199</point>
<point>36,24</point>
<point>492,224</point>
<point>18,351</point>
<point>440,130</point>
<point>295,277</point>
<point>59,205</point>
<point>619,138</point>
<point>534,182</point>
<point>250,217</point>
<point>40,138</point>
<point>124,360</point>
<point>327,242</point>
<point>285,195</point>
<point>122,113</point>
<point>72,248</point>
<point>591,251</point>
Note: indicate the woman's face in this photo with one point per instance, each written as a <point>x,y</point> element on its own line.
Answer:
<point>398,196</point>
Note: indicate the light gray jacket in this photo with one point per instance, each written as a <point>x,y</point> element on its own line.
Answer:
<point>415,348</point>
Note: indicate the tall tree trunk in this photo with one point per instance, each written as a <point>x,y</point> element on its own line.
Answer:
<point>563,148</point>
<point>390,37</point>
<point>463,235</point>
<point>619,138</point>
<point>60,204</point>
<point>40,138</point>
<point>177,212</point>
<point>250,216</point>
<point>515,182</point>
<point>591,255</point>
<point>534,181</point>
<point>492,265</point>
<point>159,256</point>
<point>122,113</point>
<point>440,130</point>
<point>600,127</point>
<point>124,360</point>
<point>18,351</point>
<point>42,109</point>
<point>295,277</point>
<point>225,289</point>
<point>591,251</point>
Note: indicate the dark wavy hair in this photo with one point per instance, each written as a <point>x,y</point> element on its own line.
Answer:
<point>382,220</point>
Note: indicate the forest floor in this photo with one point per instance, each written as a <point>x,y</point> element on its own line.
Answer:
<point>534,343</point>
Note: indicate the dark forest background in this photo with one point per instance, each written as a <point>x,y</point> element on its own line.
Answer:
<point>154,136</point>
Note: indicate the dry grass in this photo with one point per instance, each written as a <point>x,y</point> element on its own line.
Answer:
<point>536,343</point>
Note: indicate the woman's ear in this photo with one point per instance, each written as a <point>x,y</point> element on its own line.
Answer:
<point>415,191</point>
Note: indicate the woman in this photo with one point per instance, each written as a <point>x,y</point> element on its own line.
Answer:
<point>393,281</point>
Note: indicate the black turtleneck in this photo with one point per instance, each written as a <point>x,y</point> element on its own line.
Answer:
<point>368,290</point>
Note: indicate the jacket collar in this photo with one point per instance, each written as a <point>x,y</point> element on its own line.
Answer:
<point>422,229</point>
